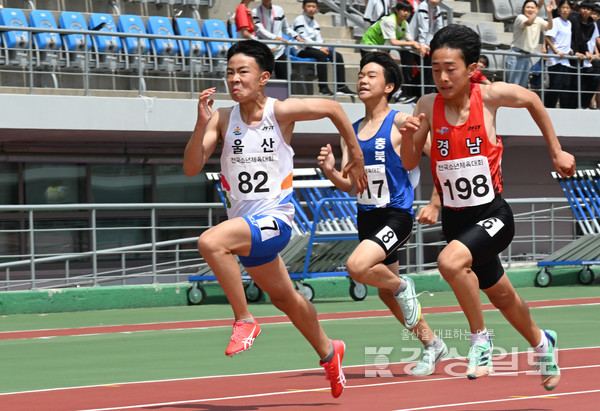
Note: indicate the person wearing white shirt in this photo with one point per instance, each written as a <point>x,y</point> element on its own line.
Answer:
<point>560,71</point>
<point>310,30</point>
<point>270,23</point>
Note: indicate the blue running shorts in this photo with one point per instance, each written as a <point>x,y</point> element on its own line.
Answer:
<point>270,235</point>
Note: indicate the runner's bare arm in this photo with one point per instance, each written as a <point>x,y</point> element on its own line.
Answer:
<point>414,133</point>
<point>205,136</point>
<point>292,110</point>
<point>326,161</point>
<point>511,95</point>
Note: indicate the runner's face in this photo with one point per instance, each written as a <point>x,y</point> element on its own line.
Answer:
<point>244,77</point>
<point>450,74</point>
<point>371,82</point>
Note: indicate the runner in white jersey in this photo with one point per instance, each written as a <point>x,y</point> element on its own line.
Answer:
<point>256,164</point>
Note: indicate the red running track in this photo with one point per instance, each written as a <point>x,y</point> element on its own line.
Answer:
<point>307,389</point>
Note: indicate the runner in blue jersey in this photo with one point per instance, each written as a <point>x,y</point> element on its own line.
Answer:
<point>385,214</point>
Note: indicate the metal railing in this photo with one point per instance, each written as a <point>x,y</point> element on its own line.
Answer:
<point>542,227</point>
<point>88,70</point>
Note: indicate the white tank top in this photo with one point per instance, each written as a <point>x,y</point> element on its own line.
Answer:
<point>256,167</point>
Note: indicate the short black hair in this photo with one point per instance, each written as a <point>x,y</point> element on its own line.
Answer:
<point>391,70</point>
<point>525,3</point>
<point>304,2</point>
<point>403,5</point>
<point>587,4</point>
<point>458,37</point>
<point>254,48</point>
<point>485,60</point>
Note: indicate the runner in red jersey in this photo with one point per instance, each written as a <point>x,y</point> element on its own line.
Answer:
<point>476,221</point>
<point>468,140</point>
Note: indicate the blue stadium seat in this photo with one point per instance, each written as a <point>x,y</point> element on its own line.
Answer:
<point>162,25</point>
<point>44,19</point>
<point>104,23</point>
<point>133,24</point>
<point>190,28</point>
<point>74,20</point>
<point>193,52</point>
<point>14,43</point>
<point>165,52</point>
<point>14,18</point>
<point>216,29</point>
<point>46,44</point>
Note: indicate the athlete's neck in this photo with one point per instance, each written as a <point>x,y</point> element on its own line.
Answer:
<point>377,112</point>
<point>252,111</point>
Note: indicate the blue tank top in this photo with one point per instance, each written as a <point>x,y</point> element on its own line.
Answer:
<point>389,185</point>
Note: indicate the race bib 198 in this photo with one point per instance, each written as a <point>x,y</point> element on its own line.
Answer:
<point>377,192</point>
<point>465,182</point>
<point>254,176</point>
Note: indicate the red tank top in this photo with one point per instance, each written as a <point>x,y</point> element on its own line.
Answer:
<point>464,163</point>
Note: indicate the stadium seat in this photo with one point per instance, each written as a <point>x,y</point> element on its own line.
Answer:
<point>164,50</point>
<point>217,50</point>
<point>105,23</point>
<point>503,10</point>
<point>15,41</point>
<point>517,6</point>
<point>470,25</point>
<point>74,44</point>
<point>74,20</point>
<point>44,41</point>
<point>133,24</point>
<point>489,37</point>
<point>106,48</point>
<point>190,28</point>
<point>216,29</point>
<point>162,25</point>
<point>46,44</point>
<point>192,51</point>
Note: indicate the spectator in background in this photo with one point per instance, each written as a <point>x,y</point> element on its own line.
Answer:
<point>270,23</point>
<point>393,30</point>
<point>243,21</point>
<point>595,102</point>
<point>583,42</point>
<point>478,76</point>
<point>558,41</point>
<point>526,38</point>
<point>426,22</point>
<point>310,30</point>
<point>376,9</point>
